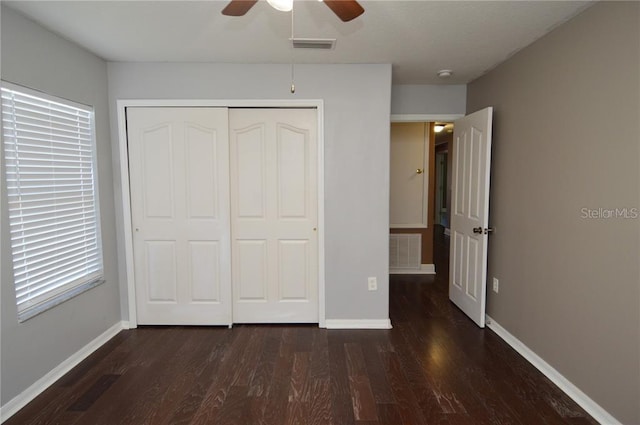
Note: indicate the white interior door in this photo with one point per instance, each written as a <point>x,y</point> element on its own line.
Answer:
<point>179,177</point>
<point>409,171</point>
<point>470,213</point>
<point>274,215</point>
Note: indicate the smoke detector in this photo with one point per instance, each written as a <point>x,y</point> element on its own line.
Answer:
<point>445,73</point>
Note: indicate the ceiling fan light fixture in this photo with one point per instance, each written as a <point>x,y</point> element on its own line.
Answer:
<point>346,10</point>
<point>281,5</point>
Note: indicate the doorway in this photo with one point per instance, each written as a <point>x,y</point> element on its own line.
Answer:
<point>425,230</point>
<point>442,195</point>
<point>411,194</point>
<point>441,192</point>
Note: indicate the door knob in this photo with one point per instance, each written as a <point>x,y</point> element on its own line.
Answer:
<point>419,171</point>
<point>480,230</point>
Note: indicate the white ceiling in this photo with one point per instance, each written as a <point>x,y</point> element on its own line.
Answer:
<point>417,37</point>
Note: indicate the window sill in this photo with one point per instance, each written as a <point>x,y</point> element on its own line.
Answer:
<point>59,299</point>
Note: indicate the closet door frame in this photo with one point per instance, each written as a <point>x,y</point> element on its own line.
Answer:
<point>123,208</point>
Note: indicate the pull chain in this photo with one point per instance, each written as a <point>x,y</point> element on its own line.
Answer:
<point>293,85</point>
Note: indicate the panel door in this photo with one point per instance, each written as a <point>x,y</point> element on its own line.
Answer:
<point>409,164</point>
<point>274,210</point>
<point>470,213</point>
<point>179,177</point>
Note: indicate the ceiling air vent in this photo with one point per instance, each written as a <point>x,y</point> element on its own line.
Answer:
<point>313,43</point>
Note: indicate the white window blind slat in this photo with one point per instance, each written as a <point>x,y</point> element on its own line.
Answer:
<point>51,157</point>
<point>22,267</point>
<point>32,121</point>
<point>36,170</point>
<point>61,203</point>
<point>58,136</point>
<point>45,226</point>
<point>23,241</point>
<point>51,201</point>
<point>52,258</point>
<point>64,267</point>
<point>35,185</point>
<point>42,213</point>
<point>52,110</point>
<point>34,209</point>
<point>61,138</point>
<point>34,112</point>
<point>69,283</point>
<point>24,111</point>
<point>46,111</point>
<point>24,244</point>
<point>30,211</point>
<point>21,237</point>
<point>38,278</point>
<point>49,151</point>
<point>47,128</point>
<point>43,253</point>
<point>38,141</point>
<point>29,144</point>
<point>47,204</point>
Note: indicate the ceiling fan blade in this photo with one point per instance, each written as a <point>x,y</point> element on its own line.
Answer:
<point>345,9</point>
<point>238,7</point>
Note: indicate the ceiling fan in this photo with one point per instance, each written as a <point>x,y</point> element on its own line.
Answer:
<point>346,10</point>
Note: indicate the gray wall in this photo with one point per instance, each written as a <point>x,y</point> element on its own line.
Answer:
<point>409,99</point>
<point>567,137</point>
<point>34,57</point>
<point>357,115</point>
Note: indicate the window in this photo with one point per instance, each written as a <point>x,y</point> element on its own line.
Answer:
<point>49,151</point>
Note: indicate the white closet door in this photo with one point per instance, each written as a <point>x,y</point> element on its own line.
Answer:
<point>274,215</point>
<point>179,176</point>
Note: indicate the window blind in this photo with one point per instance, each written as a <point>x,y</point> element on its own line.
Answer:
<point>49,155</point>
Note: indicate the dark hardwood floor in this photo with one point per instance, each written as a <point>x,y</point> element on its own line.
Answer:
<point>434,367</point>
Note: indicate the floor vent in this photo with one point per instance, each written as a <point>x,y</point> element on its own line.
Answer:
<point>405,251</point>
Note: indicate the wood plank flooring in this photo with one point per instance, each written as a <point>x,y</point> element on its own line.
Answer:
<point>434,367</point>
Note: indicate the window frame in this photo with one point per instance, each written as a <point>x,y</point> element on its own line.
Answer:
<point>75,287</point>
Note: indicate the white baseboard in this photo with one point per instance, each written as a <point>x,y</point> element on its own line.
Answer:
<point>592,408</point>
<point>424,269</point>
<point>22,399</point>
<point>358,324</point>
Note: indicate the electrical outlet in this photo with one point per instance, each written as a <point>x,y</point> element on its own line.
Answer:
<point>373,284</point>
<point>496,285</point>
